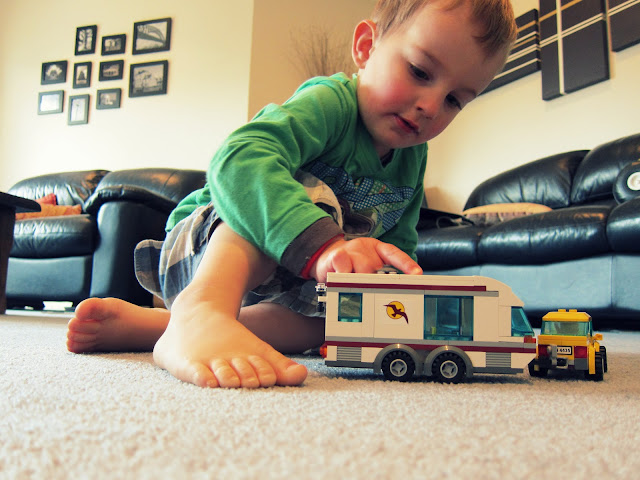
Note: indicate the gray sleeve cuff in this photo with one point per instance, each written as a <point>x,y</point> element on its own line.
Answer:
<point>300,251</point>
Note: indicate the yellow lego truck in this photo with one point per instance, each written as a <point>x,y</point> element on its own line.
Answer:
<point>567,342</point>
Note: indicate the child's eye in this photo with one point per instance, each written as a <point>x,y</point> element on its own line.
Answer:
<point>419,73</point>
<point>454,102</point>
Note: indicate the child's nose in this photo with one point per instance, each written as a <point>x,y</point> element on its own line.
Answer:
<point>430,104</point>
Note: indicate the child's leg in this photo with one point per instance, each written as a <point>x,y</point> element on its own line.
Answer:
<point>204,343</point>
<point>113,325</point>
<point>283,329</point>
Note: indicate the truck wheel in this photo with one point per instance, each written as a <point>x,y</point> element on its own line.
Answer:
<point>399,366</point>
<point>448,368</point>
<point>540,373</point>
<point>603,352</point>
<point>598,376</point>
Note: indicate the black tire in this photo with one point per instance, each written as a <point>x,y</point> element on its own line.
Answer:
<point>540,373</point>
<point>598,376</point>
<point>398,366</point>
<point>448,368</point>
<point>603,352</point>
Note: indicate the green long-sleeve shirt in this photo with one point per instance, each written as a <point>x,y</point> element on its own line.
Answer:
<point>318,130</point>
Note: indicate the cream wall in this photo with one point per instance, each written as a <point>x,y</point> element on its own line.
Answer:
<point>207,89</point>
<point>513,125</point>
<point>274,71</point>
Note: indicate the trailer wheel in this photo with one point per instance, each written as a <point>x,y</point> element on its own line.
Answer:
<point>448,368</point>
<point>399,366</point>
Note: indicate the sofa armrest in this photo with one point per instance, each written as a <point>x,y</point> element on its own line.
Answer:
<point>158,188</point>
<point>596,175</point>
<point>70,188</point>
<point>627,184</point>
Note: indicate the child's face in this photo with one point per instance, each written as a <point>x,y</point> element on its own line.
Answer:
<point>418,77</point>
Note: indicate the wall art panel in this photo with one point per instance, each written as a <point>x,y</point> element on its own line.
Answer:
<point>524,57</point>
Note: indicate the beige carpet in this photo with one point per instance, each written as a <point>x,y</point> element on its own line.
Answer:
<point>66,416</point>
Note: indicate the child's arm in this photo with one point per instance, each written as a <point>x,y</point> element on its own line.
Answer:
<point>361,255</point>
<point>251,179</point>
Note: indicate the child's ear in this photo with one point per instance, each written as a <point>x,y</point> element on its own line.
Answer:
<point>364,38</point>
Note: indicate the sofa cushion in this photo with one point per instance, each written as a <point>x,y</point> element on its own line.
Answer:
<point>546,181</point>
<point>487,215</point>
<point>47,210</point>
<point>451,247</point>
<point>53,237</point>
<point>555,236</point>
<point>597,173</point>
<point>49,199</point>
<point>70,188</point>
<point>623,227</point>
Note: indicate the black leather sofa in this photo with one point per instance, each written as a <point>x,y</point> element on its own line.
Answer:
<point>70,258</point>
<point>584,253</point>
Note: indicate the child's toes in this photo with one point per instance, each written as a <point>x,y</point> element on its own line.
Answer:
<point>225,374</point>
<point>246,373</point>
<point>191,372</point>
<point>264,371</point>
<point>289,372</point>
<point>83,326</point>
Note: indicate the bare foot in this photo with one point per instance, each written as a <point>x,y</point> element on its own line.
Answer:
<point>113,325</point>
<point>211,350</point>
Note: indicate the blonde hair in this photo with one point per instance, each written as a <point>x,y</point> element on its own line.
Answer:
<point>495,16</point>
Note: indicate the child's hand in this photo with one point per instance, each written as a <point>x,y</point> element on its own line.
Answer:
<point>361,255</point>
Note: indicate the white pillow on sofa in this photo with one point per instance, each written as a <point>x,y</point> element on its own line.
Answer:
<point>487,215</point>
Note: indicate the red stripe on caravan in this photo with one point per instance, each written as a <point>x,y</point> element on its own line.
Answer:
<point>529,348</point>
<point>395,286</point>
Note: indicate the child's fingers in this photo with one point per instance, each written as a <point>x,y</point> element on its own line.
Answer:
<point>392,255</point>
<point>341,262</point>
<point>337,261</point>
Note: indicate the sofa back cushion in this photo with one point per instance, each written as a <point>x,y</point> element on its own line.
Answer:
<point>70,188</point>
<point>597,173</point>
<point>546,181</point>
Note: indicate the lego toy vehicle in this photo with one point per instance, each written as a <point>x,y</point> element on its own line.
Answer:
<point>567,342</point>
<point>447,327</point>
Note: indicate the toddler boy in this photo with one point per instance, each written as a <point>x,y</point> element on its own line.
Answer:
<point>332,180</point>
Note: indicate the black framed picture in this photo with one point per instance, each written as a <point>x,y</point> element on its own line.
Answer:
<point>114,44</point>
<point>148,79</point>
<point>78,110</point>
<point>50,102</point>
<point>82,75</point>
<point>54,72</point>
<point>111,70</point>
<point>152,36</point>
<point>86,40</point>
<point>108,98</point>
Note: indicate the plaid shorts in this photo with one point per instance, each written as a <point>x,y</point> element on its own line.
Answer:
<point>166,268</point>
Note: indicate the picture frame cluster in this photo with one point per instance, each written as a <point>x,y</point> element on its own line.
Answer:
<point>145,78</point>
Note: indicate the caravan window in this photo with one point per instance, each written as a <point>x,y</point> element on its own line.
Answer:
<point>447,317</point>
<point>520,326</point>
<point>350,307</point>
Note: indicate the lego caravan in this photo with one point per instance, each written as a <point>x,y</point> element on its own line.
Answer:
<point>447,327</point>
